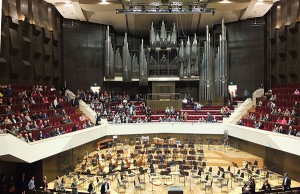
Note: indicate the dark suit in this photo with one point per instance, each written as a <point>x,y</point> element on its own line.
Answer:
<point>103,191</point>
<point>286,184</point>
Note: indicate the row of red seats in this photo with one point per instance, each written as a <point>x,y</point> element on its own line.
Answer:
<point>190,117</point>
<point>18,100</point>
<point>283,91</point>
<point>274,117</point>
<point>49,113</point>
<point>25,87</point>
<point>284,86</point>
<point>54,121</point>
<point>267,125</point>
<point>66,127</point>
<point>190,112</point>
<point>33,107</point>
<point>290,97</point>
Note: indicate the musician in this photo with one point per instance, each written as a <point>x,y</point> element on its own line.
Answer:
<point>252,186</point>
<point>91,188</point>
<point>105,187</point>
<point>286,183</point>
<point>56,186</point>
<point>266,186</point>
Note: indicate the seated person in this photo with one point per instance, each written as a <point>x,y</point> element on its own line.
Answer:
<point>209,117</point>
<point>296,92</point>
<point>266,186</point>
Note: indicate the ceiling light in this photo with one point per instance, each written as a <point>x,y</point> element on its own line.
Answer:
<point>225,1</point>
<point>104,2</point>
<point>68,4</point>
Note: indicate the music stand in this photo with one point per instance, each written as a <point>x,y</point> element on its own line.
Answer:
<point>231,177</point>
<point>235,166</point>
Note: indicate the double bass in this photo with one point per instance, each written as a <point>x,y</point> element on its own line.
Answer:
<point>127,158</point>
<point>140,160</point>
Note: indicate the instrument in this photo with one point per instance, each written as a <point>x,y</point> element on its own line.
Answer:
<point>83,165</point>
<point>140,160</point>
<point>159,141</point>
<point>172,141</point>
<point>101,165</point>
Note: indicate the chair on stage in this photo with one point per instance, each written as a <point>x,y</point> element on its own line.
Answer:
<point>203,165</point>
<point>204,181</point>
<point>123,180</point>
<point>241,178</point>
<point>183,174</point>
<point>142,183</point>
<point>245,168</point>
<point>137,187</point>
<point>209,186</point>
<point>221,178</point>
<point>256,175</point>
<point>209,171</point>
<point>121,186</point>
<point>255,164</point>
<point>237,174</point>
<point>198,176</point>
<point>130,174</point>
<point>217,175</point>
<point>225,184</point>
<point>194,169</point>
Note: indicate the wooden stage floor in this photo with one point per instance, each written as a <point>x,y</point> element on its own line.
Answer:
<point>215,156</point>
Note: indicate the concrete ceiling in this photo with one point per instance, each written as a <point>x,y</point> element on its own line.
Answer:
<point>138,24</point>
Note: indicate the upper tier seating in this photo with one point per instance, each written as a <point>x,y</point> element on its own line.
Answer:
<point>39,107</point>
<point>285,100</point>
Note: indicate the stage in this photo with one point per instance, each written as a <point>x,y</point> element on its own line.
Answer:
<point>218,157</point>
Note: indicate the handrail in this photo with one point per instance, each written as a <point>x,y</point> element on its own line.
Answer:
<point>239,112</point>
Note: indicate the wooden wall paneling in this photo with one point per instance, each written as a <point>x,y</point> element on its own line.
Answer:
<point>37,46</point>
<point>14,42</point>
<point>4,54</point>
<point>14,66</point>
<point>46,35</point>
<point>44,8</point>
<point>282,50</point>
<point>36,12</point>
<point>24,6</point>
<point>282,33</point>
<point>293,11</point>
<point>37,68</point>
<point>291,165</point>
<point>51,167</point>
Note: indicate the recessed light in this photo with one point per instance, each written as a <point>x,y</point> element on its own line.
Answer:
<point>68,3</point>
<point>104,2</point>
<point>225,1</point>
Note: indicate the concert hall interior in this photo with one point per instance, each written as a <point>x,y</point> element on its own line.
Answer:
<point>160,96</point>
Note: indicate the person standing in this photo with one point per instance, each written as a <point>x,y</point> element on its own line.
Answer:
<point>31,185</point>
<point>63,185</point>
<point>11,185</point>
<point>23,183</point>
<point>74,186</point>
<point>56,186</point>
<point>286,183</point>
<point>91,188</point>
<point>105,187</point>
<point>64,88</point>
<point>45,184</point>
